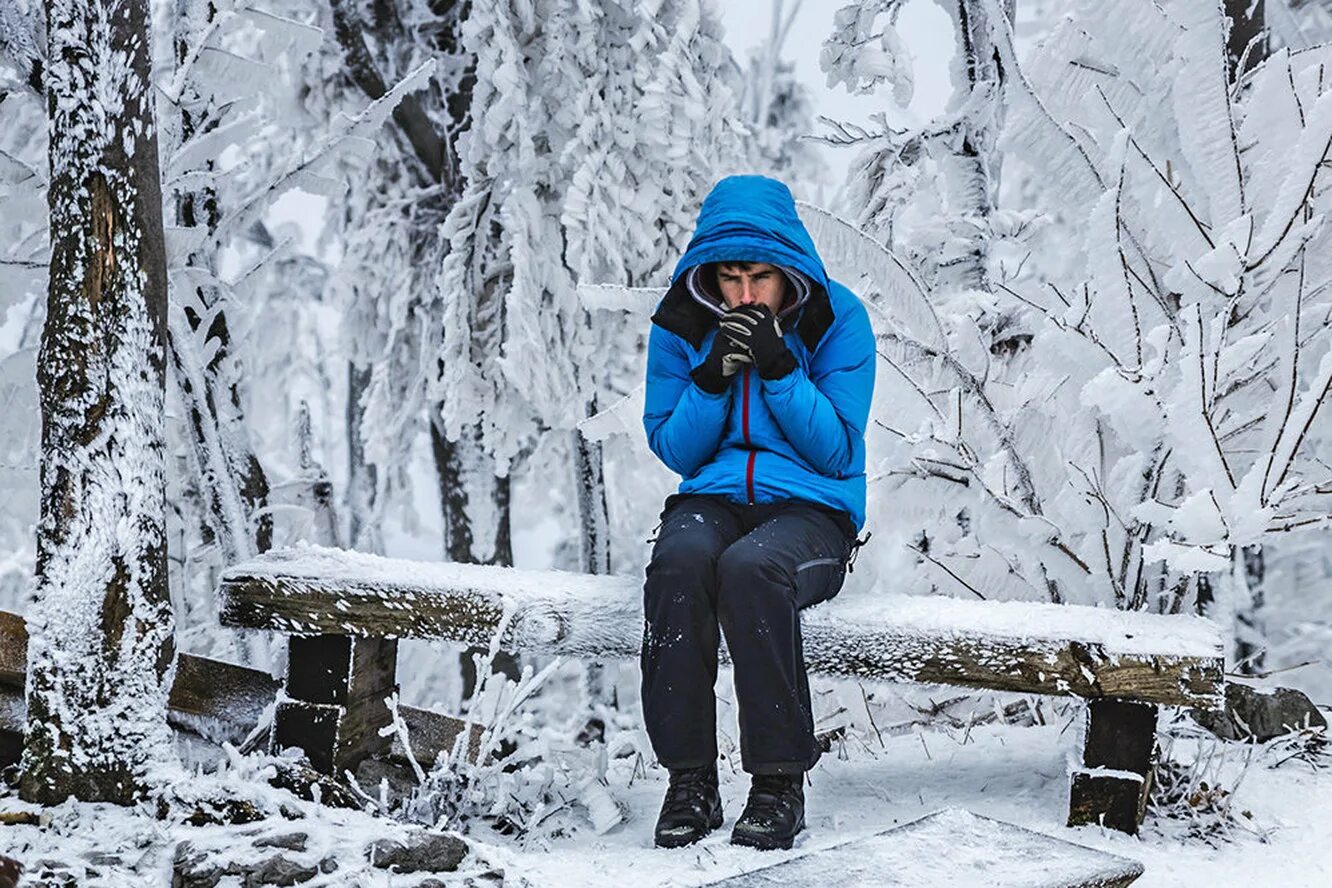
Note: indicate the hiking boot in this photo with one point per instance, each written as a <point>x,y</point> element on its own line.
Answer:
<point>774,814</point>
<point>692,807</point>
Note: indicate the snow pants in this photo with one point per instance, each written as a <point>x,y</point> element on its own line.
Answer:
<point>746,571</point>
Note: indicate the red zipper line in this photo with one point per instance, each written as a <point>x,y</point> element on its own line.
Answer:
<point>744,425</point>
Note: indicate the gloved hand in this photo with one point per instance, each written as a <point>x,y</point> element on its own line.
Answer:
<point>723,361</point>
<point>757,328</point>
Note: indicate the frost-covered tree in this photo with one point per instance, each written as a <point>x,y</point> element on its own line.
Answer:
<point>930,193</point>
<point>391,228</point>
<point>101,642</point>
<point>229,477</point>
<point>593,127</point>
<point>779,109</point>
<point>1168,415</point>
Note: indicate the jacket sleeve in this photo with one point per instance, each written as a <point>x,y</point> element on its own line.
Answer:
<point>823,413</point>
<point>684,424</point>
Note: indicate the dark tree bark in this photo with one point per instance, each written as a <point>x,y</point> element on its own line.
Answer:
<point>590,488</point>
<point>1250,631</point>
<point>465,469</point>
<point>101,627</point>
<point>233,482</point>
<point>362,477</point>
<point>1248,34</point>
<point>1248,25</point>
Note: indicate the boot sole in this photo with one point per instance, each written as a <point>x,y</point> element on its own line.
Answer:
<point>763,842</point>
<point>671,841</point>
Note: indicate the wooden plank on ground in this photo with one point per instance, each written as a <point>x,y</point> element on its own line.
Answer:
<point>1008,646</point>
<point>949,849</point>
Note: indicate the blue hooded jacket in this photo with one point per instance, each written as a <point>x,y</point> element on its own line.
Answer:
<point>799,437</point>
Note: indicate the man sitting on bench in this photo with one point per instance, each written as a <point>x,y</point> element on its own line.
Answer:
<point>759,377</point>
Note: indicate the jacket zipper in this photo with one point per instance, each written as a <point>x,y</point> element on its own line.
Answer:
<point>744,425</point>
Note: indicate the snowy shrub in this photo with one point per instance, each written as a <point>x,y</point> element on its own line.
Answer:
<point>1166,417</point>
<point>522,775</point>
<point>1197,777</point>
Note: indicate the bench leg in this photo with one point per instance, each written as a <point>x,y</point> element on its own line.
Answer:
<point>333,701</point>
<point>1120,738</point>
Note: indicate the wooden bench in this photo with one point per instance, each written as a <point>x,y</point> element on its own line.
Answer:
<point>213,699</point>
<point>345,611</point>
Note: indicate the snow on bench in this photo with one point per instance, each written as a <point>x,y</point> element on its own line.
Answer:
<point>950,849</point>
<point>1010,646</point>
<point>345,611</point>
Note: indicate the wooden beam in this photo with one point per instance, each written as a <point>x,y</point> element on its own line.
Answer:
<point>1006,646</point>
<point>1118,761</point>
<point>334,708</point>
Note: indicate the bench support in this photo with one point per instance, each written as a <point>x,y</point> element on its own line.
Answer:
<point>333,705</point>
<point>1120,738</point>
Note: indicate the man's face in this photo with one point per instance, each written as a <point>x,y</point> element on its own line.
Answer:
<point>752,283</point>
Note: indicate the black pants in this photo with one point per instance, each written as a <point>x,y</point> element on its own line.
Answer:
<point>748,570</point>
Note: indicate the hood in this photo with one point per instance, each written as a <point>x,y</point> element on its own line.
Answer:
<point>752,219</point>
<point>747,219</point>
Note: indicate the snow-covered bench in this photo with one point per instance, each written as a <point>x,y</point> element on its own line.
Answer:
<point>213,699</point>
<point>345,611</point>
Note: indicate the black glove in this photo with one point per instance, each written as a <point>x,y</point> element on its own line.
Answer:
<point>757,328</point>
<point>723,362</point>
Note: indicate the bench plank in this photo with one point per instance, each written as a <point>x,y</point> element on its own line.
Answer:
<point>1008,646</point>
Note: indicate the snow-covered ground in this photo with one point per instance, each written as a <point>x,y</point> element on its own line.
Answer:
<point>1279,836</point>
<point>1014,774</point>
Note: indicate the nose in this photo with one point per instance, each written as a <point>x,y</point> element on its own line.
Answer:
<point>746,293</point>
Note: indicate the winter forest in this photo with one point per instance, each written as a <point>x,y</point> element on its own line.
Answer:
<point>326,497</point>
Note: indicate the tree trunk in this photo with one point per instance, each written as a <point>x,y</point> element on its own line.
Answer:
<point>1250,631</point>
<point>972,170</point>
<point>476,531</point>
<point>230,475</point>
<point>593,518</point>
<point>363,530</point>
<point>594,546</point>
<point>102,639</point>
<point>1248,25</point>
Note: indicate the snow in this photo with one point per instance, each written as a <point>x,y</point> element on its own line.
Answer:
<point>1011,774</point>
<point>943,850</point>
<point>1151,368</point>
<point>583,614</point>
<point>1015,775</point>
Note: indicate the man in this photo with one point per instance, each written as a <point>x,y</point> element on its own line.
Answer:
<point>760,371</point>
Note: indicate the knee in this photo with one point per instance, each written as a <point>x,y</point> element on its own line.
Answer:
<point>750,575</point>
<point>682,556</point>
<point>749,563</point>
<point>681,575</point>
